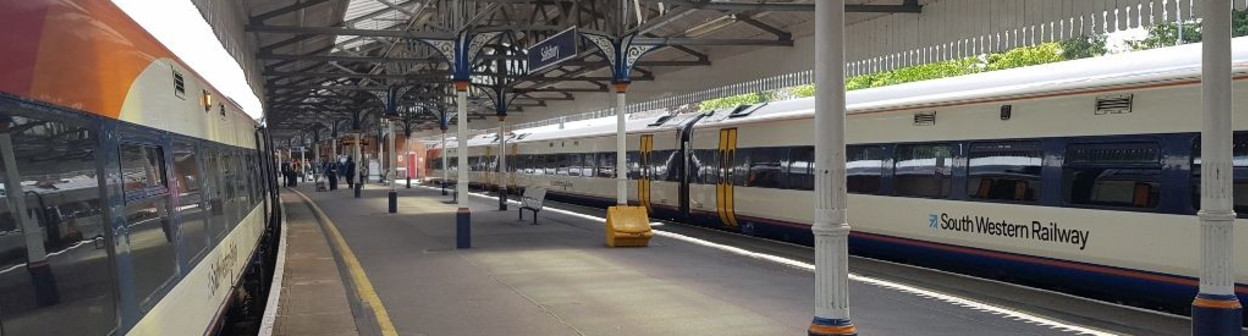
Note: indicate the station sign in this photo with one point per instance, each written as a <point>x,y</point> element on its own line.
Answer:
<point>553,50</point>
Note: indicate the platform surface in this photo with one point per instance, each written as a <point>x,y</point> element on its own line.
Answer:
<point>558,278</point>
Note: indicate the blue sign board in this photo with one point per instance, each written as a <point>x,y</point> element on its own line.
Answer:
<point>553,50</point>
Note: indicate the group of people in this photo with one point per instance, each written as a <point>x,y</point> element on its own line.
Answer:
<point>331,170</point>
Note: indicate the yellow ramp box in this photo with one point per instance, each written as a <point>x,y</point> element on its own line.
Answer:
<point>628,226</point>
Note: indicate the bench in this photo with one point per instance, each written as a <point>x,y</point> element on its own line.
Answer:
<point>532,200</point>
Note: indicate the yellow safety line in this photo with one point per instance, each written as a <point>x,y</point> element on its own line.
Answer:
<point>363,287</point>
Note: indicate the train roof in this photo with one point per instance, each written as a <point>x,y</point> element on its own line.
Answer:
<point>1160,65</point>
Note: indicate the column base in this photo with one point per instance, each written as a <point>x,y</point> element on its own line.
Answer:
<point>831,327</point>
<point>358,187</point>
<point>394,201</point>
<point>463,229</point>
<point>1217,315</point>
<point>41,276</point>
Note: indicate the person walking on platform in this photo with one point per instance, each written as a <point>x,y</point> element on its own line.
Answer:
<point>286,174</point>
<point>349,172</point>
<point>331,173</point>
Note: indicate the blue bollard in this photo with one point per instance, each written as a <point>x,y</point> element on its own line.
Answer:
<point>463,229</point>
<point>394,202</point>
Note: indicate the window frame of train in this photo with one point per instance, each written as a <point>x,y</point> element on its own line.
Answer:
<point>1079,155</point>
<point>108,310</point>
<point>948,188</point>
<point>1035,150</point>
<point>149,142</point>
<point>1239,173</point>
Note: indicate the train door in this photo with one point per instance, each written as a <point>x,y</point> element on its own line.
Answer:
<point>724,184</point>
<point>647,170</point>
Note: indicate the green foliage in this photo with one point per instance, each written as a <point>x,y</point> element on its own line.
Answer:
<point>1167,34</point>
<point>1083,47</point>
<point>1014,58</point>
<point>1025,56</point>
<point>734,101</point>
<point>803,91</point>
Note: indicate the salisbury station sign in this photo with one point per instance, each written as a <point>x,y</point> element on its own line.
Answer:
<point>553,50</point>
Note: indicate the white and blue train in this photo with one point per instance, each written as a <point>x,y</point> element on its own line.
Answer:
<point>1079,176</point>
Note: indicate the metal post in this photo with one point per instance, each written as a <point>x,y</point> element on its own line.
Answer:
<point>463,217</point>
<point>502,163</point>
<point>831,229</point>
<point>359,155</point>
<point>621,143</point>
<point>390,173</point>
<point>445,164</point>
<point>1216,311</point>
<point>316,158</point>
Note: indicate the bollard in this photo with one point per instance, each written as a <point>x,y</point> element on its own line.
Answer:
<point>409,182</point>
<point>358,187</point>
<point>443,183</point>
<point>463,229</point>
<point>502,199</point>
<point>394,201</point>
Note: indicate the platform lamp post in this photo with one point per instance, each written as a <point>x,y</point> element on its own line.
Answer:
<point>831,228</point>
<point>1216,310</point>
<point>622,55</point>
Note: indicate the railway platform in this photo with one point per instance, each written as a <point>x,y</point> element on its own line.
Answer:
<point>400,274</point>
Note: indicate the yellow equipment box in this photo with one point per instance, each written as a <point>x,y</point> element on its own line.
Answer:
<point>628,226</point>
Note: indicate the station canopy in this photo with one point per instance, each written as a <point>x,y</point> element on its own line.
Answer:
<point>316,63</point>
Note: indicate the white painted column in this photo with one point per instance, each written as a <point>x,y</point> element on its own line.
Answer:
<point>1216,310</point>
<point>392,174</point>
<point>621,144</point>
<point>461,124</point>
<point>333,147</point>
<point>303,163</point>
<point>359,158</point>
<point>446,168</point>
<point>831,228</point>
<point>503,172</point>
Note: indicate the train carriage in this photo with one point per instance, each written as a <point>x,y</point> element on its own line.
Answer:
<point>136,196</point>
<point>1080,176</point>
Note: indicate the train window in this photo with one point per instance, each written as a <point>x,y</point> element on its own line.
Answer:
<point>574,163</point>
<point>1126,175</point>
<point>800,168</point>
<point>864,166</point>
<point>1239,162</point>
<point>661,165</point>
<point>1008,171</point>
<point>591,162</point>
<point>633,160</point>
<point>924,170</point>
<point>739,167</point>
<point>606,165</point>
<point>706,163</point>
<point>187,181</point>
<point>140,175</point>
<point>474,163</point>
<point>150,227</point>
<point>214,174</point>
<point>61,284</point>
<point>766,169</point>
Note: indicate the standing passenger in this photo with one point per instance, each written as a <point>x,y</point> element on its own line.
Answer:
<point>349,173</point>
